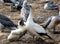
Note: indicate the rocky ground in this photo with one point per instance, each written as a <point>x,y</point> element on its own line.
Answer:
<point>39,12</point>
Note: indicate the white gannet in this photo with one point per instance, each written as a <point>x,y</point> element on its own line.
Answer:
<point>30,24</point>
<point>49,5</point>
<point>25,10</point>
<point>6,22</point>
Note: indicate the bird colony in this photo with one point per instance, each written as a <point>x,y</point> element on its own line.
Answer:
<point>26,22</point>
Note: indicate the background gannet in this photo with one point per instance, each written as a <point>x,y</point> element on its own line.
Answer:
<point>52,22</point>
<point>49,5</point>
<point>6,22</point>
<point>17,3</point>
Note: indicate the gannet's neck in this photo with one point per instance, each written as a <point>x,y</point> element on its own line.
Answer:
<point>30,18</point>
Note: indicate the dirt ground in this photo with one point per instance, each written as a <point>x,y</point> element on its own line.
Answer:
<point>39,12</point>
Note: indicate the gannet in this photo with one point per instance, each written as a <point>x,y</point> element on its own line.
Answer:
<point>51,22</point>
<point>49,5</point>
<point>6,22</point>
<point>17,3</point>
<point>30,24</point>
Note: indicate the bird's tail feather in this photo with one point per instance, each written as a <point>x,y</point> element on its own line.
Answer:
<point>45,34</point>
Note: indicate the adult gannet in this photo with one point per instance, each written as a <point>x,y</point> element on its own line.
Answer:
<point>30,24</point>
<point>49,5</point>
<point>52,22</point>
<point>25,10</point>
<point>6,22</point>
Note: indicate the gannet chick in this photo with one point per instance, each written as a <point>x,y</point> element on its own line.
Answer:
<point>18,33</point>
<point>6,22</point>
<point>49,5</point>
<point>25,10</point>
<point>30,24</point>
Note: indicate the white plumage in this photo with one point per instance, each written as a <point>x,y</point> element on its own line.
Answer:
<point>31,24</point>
<point>16,34</point>
<point>34,27</point>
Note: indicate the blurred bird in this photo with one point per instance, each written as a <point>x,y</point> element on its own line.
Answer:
<point>52,22</point>
<point>17,3</point>
<point>6,22</point>
<point>49,5</point>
